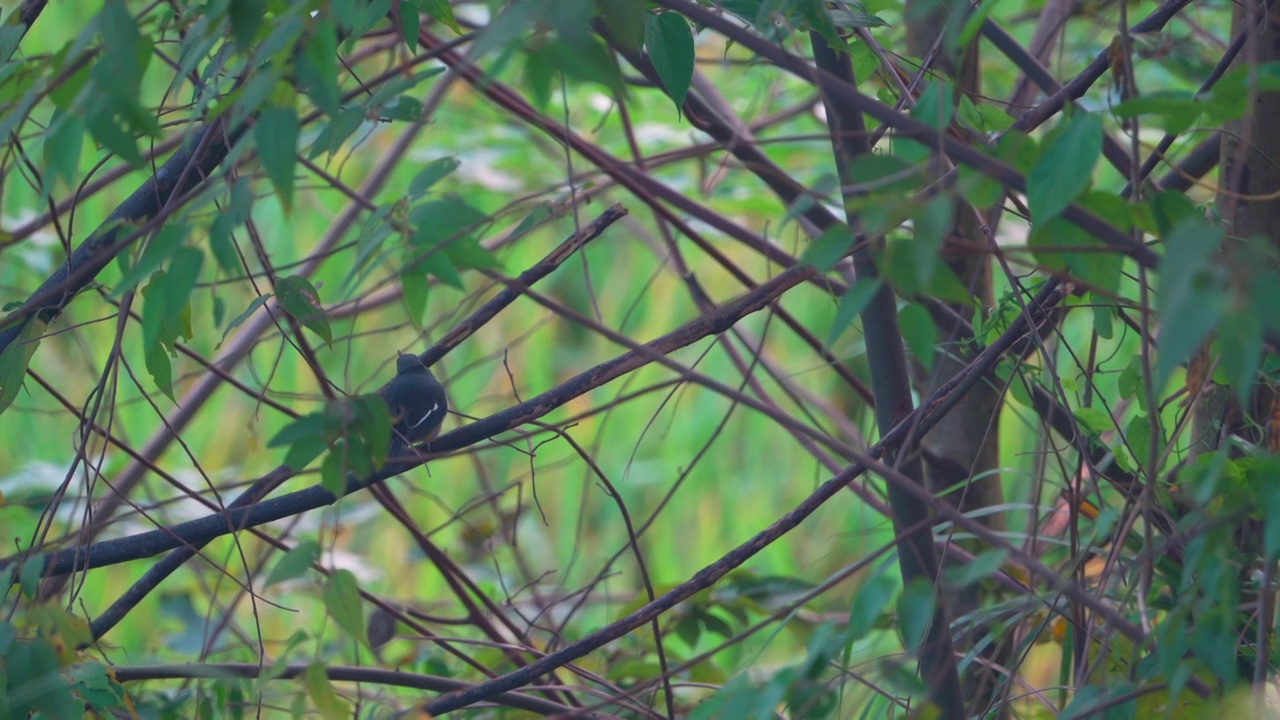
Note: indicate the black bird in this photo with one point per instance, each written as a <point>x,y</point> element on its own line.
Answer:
<point>417,402</point>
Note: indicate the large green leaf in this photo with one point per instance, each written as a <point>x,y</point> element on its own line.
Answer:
<point>342,600</point>
<point>299,298</point>
<point>14,359</point>
<point>277,137</point>
<point>1192,293</point>
<point>915,612</point>
<point>670,45</point>
<point>1065,168</point>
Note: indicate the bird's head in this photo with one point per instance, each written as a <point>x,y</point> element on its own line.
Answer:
<point>407,363</point>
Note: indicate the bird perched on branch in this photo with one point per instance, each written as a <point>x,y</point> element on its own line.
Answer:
<point>417,402</point>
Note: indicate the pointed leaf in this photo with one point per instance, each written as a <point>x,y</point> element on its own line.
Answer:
<point>1066,167</point>
<point>342,601</point>
<point>670,44</point>
<point>277,137</point>
<point>299,298</point>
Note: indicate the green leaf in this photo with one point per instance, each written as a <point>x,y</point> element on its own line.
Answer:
<point>1060,245</point>
<point>869,603</point>
<point>1103,317</point>
<point>118,70</point>
<point>439,265</point>
<point>319,688</point>
<point>37,683</point>
<point>983,566</point>
<point>342,601</point>
<point>977,189</point>
<point>982,118</point>
<point>299,298</point>
<point>302,452</point>
<point>161,247</point>
<point>1083,703</point>
<point>409,24</point>
<point>373,233</point>
<point>62,150</point>
<point>913,267</point>
<point>246,18</point>
<point>333,476</point>
<point>1137,436</point>
<point>14,359</point>
<point>1270,492</point>
<point>828,248</point>
<point>253,305</point>
<point>159,367</point>
<point>374,426</point>
<point>29,576</point>
<point>852,15</point>
<point>851,304</point>
<point>406,109</point>
<point>1171,208</point>
<point>166,315</point>
<point>931,225</point>
<point>442,12</point>
<point>415,290</point>
<point>670,45</point>
<point>100,120</point>
<point>1173,112</point>
<point>1192,293</point>
<point>445,219</point>
<point>276,134</point>
<point>1065,168</point>
<point>232,217</point>
<point>317,67</point>
<point>434,172</point>
<point>1239,344</point>
<point>301,428</point>
<point>626,20</point>
<point>336,131</point>
<point>294,563</point>
<point>1092,420</point>
<point>469,253</point>
<point>935,105</point>
<point>915,612</point>
<point>919,333</point>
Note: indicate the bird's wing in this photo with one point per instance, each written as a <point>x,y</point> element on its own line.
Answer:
<point>427,414</point>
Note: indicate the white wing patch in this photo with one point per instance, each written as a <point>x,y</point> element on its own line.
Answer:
<point>429,413</point>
